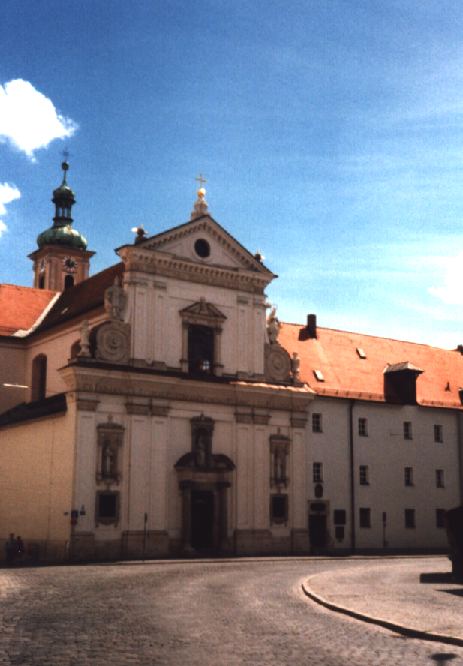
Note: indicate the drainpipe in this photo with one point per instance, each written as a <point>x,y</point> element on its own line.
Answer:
<point>352,475</point>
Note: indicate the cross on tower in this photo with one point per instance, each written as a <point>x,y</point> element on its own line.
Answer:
<point>201,180</point>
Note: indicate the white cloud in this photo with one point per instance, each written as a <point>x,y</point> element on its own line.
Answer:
<point>28,119</point>
<point>8,193</point>
<point>450,292</point>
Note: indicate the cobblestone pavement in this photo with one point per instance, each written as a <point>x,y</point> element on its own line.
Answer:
<point>416,593</point>
<point>229,612</point>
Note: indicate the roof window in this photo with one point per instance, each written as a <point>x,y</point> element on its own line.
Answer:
<point>319,375</point>
<point>360,352</point>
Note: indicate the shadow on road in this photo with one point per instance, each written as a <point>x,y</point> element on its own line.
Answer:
<point>436,578</point>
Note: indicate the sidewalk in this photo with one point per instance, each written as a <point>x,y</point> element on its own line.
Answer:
<point>415,596</point>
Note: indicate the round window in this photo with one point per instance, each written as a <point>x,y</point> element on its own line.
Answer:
<point>202,248</point>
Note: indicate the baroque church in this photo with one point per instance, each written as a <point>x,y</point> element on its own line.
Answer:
<point>160,408</point>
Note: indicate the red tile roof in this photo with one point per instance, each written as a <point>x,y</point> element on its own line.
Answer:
<point>81,298</point>
<point>345,374</point>
<point>20,307</point>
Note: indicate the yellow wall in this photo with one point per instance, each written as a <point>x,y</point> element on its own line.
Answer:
<point>36,477</point>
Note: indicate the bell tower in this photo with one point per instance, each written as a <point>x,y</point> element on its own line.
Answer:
<point>62,259</point>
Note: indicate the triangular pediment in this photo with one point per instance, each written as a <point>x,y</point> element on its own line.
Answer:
<point>205,241</point>
<point>204,310</point>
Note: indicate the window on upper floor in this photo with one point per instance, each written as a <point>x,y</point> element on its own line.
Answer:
<point>364,517</point>
<point>408,433</point>
<point>68,281</point>
<point>409,516</point>
<point>363,475</point>
<point>39,377</point>
<point>363,427</point>
<point>408,476</point>
<point>438,433</point>
<point>317,424</point>
<point>439,478</point>
<point>200,349</point>
<point>318,472</point>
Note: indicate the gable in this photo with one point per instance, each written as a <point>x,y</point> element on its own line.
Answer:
<point>205,241</point>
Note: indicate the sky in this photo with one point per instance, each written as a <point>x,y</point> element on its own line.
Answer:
<point>330,133</point>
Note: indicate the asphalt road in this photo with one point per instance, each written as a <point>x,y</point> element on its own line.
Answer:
<point>229,612</point>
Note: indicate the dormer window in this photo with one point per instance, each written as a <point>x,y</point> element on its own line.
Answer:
<point>400,383</point>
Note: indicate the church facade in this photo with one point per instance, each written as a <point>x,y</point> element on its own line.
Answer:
<point>160,408</point>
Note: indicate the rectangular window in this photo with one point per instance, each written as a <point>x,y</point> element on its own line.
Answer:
<point>339,517</point>
<point>317,472</point>
<point>339,532</point>
<point>439,478</point>
<point>363,427</point>
<point>365,517</point>
<point>107,507</point>
<point>363,475</point>
<point>438,433</point>
<point>279,508</point>
<point>408,476</point>
<point>409,518</point>
<point>440,518</point>
<point>317,423</point>
<point>408,430</point>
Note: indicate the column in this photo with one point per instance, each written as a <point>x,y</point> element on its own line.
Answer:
<point>185,488</point>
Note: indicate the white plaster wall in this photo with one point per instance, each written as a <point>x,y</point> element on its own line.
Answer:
<point>149,483</point>
<point>56,345</point>
<point>12,371</point>
<point>331,448</point>
<point>387,453</point>
<point>153,311</point>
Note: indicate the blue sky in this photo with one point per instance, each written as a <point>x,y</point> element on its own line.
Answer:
<point>330,132</point>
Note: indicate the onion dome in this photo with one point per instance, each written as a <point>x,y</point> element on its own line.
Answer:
<point>62,233</point>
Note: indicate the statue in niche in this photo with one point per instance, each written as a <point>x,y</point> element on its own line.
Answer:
<point>108,461</point>
<point>279,464</point>
<point>273,326</point>
<point>115,300</point>
<point>201,448</point>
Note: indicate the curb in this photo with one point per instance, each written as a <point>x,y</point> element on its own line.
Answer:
<point>392,626</point>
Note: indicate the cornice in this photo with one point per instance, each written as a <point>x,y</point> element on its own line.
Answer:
<point>162,263</point>
<point>99,381</point>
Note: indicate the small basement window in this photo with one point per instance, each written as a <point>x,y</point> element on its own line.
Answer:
<point>107,507</point>
<point>279,509</point>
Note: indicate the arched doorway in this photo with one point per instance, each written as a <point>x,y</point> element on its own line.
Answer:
<point>204,492</point>
<point>204,478</point>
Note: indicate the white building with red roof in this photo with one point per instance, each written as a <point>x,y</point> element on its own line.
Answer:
<point>157,408</point>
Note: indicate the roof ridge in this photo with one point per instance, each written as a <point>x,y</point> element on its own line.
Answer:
<point>371,335</point>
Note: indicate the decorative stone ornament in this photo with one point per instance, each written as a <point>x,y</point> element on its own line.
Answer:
<point>273,327</point>
<point>115,301</point>
<point>277,364</point>
<point>279,450</point>
<point>84,340</point>
<point>112,342</point>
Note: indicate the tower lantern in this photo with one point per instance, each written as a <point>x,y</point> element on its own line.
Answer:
<point>62,259</point>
